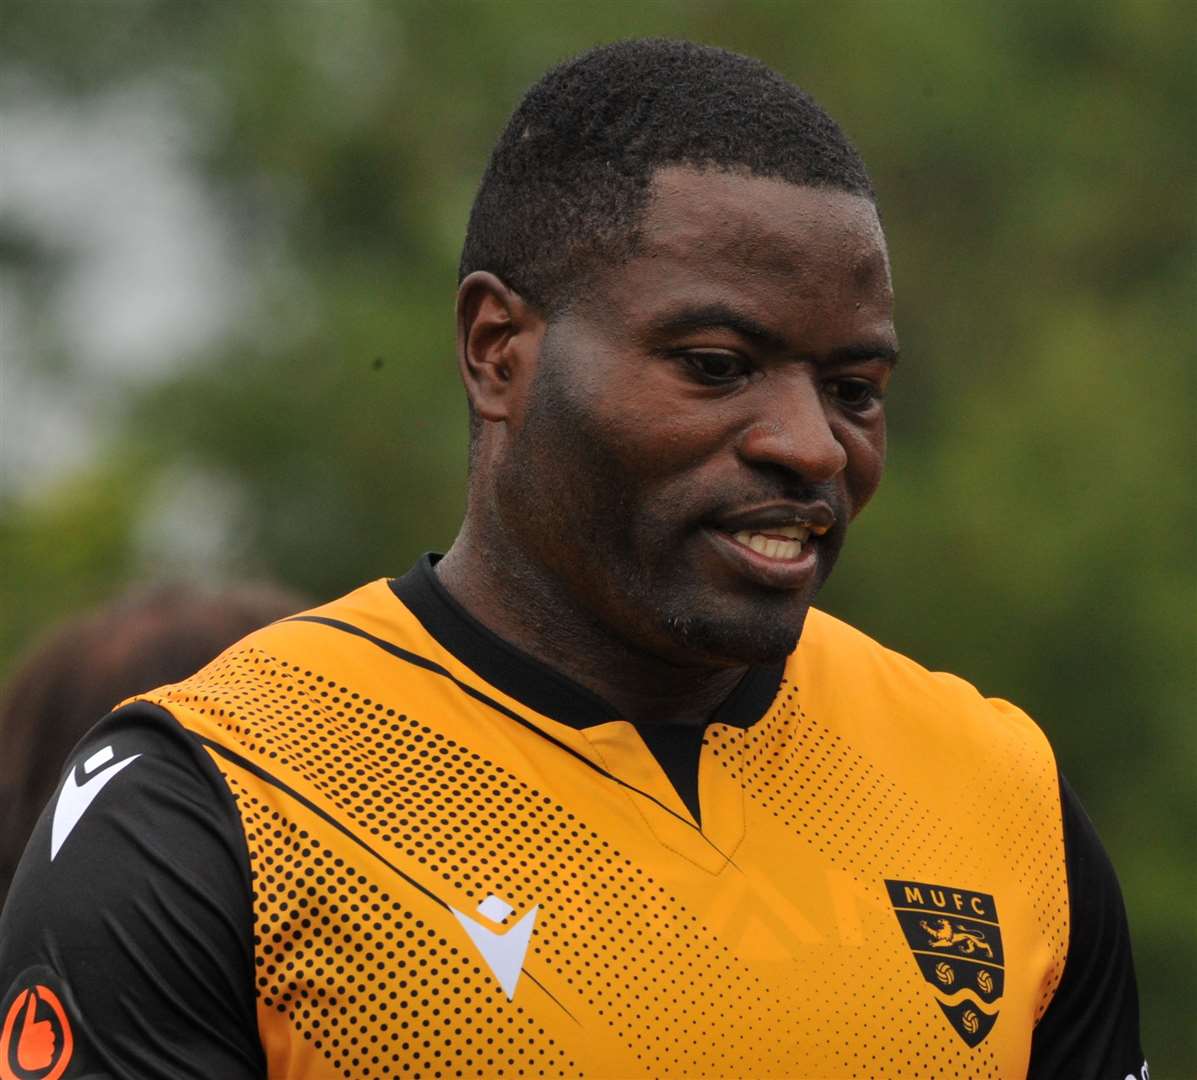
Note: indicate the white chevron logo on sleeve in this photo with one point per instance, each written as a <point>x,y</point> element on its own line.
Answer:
<point>503,951</point>
<point>74,799</point>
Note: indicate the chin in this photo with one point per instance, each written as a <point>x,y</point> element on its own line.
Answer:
<point>761,640</point>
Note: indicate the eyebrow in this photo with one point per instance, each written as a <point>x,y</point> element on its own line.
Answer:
<point>721,317</point>
<point>716,317</point>
<point>884,352</point>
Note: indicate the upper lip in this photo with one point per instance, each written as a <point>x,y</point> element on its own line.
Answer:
<point>818,516</point>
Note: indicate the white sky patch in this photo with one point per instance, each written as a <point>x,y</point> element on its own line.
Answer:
<point>150,272</point>
<point>193,526</point>
<point>47,427</point>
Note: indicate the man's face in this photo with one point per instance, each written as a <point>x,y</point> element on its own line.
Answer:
<point>706,419</point>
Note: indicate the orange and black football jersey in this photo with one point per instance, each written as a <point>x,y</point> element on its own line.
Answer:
<point>375,840</point>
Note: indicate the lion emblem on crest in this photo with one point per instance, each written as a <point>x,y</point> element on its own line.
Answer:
<point>943,935</point>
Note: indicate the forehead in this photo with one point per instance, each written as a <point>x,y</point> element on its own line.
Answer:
<point>761,220</point>
<point>768,238</point>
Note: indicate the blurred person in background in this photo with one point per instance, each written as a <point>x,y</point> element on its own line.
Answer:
<point>150,636</point>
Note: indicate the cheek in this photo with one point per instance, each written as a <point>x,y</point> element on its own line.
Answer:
<point>654,436</point>
<point>865,448</point>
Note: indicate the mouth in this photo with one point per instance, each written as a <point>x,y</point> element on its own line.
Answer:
<point>775,547</point>
<point>780,542</point>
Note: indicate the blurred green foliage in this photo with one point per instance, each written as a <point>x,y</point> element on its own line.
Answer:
<point>1035,166</point>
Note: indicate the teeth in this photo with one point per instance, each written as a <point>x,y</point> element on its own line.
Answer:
<point>782,541</point>
<point>793,532</point>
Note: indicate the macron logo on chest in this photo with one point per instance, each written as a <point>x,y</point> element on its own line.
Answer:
<point>503,951</point>
<point>75,798</point>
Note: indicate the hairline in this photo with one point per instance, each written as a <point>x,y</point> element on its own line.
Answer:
<point>631,237</point>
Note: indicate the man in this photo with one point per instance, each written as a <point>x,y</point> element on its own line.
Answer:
<point>598,792</point>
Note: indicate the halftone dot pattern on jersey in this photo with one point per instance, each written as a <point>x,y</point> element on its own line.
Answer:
<point>374,989</point>
<point>612,941</point>
<point>877,1023</point>
<point>845,807</point>
<point>841,804</point>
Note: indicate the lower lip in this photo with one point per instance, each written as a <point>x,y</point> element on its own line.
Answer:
<point>772,573</point>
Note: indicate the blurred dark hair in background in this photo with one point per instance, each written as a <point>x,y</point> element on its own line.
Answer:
<point>76,673</point>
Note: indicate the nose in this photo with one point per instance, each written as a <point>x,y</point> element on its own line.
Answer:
<point>790,428</point>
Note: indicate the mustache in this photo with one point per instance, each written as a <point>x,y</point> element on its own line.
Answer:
<point>792,492</point>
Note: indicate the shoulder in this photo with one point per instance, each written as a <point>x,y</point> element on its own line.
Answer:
<point>887,689</point>
<point>137,876</point>
<point>285,669</point>
<point>138,781</point>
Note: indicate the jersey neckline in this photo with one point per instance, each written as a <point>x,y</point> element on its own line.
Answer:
<point>535,683</point>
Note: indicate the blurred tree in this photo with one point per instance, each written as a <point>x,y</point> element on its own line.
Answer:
<point>1034,164</point>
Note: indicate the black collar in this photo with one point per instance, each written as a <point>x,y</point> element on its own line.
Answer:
<point>537,685</point>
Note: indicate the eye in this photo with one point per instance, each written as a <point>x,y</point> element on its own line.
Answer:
<point>856,394</point>
<point>716,368</point>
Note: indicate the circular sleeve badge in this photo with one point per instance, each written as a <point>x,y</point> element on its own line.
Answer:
<point>36,1042</point>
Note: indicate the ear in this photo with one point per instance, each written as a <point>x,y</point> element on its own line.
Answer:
<point>498,343</point>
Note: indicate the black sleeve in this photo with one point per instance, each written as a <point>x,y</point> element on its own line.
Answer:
<point>126,943</point>
<point>1091,1028</point>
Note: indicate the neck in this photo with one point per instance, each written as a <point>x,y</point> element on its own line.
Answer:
<point>528,607</point>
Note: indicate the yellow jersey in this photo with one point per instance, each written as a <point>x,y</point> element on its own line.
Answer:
<point>460,863</point>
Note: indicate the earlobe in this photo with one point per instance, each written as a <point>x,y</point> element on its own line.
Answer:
<point>498,338</point>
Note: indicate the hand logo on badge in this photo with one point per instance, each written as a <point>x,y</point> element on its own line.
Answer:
<point>36,1042</point>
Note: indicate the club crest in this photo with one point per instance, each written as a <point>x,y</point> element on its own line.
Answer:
<point>957,944</point>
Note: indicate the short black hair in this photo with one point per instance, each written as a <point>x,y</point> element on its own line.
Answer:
<point>570,175</point>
